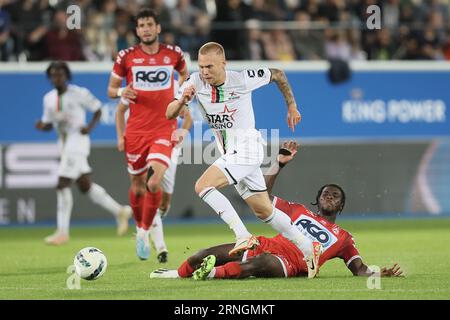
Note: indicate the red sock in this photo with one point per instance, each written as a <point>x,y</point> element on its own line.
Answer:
<point>152,200</point>
<point>137,203</point>
<point>185,270</point>
<point>228,270</point>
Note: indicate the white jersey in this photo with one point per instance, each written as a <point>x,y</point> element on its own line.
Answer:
<point>67,113</point>
<point>228,108</point>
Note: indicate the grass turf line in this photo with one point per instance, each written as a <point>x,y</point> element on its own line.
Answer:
<point>31,270</point>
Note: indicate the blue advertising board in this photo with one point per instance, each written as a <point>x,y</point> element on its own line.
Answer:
<point>372,104</point>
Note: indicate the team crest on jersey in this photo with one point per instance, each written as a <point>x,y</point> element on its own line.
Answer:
<point>222,120</point>
<point>166,60</point>
<point>315,231</point>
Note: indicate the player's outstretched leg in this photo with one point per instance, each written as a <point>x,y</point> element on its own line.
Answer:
<point>98,195</point>
<point>205,268</point>
<point>282,223</point>
<point>206,187</point>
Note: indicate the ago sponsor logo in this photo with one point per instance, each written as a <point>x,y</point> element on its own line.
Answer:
<point>152,78</point>
<point>315,231</point>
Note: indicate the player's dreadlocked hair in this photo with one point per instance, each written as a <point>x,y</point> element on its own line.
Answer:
<point>331,185</point>
<point>59,65</point>
<point>147,13</point>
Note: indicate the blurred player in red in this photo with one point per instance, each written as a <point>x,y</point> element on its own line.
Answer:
<point>168,182</point>
<point>148,69</point>
<point>277,256</point>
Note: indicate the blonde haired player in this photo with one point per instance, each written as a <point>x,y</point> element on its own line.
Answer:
<point>65,110</point>
<point>225,99</point>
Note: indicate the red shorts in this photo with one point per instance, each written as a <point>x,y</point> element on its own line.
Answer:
<point>140,149</point>
<point>289,255</point>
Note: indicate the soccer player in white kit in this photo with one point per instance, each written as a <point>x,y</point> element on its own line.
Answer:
<point>225,101</point>
<point>65,110</point>
<point>168,181</point>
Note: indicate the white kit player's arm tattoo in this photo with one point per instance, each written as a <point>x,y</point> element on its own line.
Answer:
<point>280,79</point>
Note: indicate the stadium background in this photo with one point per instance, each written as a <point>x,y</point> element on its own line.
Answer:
<point>383,134</point>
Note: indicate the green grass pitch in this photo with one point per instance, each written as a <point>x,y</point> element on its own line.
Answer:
<point>31,270</point>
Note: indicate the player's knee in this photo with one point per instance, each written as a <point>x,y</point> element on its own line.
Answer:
<point>63,183</point>
<point>153,185</point>
<point>261,211</point>
<point>200,186</point>
<point>138,188</point>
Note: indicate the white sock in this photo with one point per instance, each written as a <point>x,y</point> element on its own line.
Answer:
<point>99,196</point>
<point>64,203</point>
<point>283,224</point>
<point>225,210</point>
<point>157,234</point>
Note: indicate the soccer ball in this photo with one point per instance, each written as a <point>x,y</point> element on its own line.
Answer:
<point>90,263</point>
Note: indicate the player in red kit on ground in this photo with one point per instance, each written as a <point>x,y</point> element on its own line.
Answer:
<point>148,69</point>
<point>277,256</point>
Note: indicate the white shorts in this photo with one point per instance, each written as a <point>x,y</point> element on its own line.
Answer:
<point>247,178</point>
<point>73,166</point>
<point>168,181</point>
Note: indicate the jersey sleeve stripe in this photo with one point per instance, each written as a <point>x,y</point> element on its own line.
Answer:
<point>351,259</point>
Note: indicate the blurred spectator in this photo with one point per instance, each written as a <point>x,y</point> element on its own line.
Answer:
<point>446,48</point>
<point>411,29</point>
<point>390,14</point>
<point>259,11</point>
<point>100,34</point>
<point>61,43</point>
<point>5,25</point>
<point>337,45</point>
<point>383,48</point>
<point>125,36</point>
<point>255,49</point>
<point>184,17</point>
<point>202,32</point>
<point>163,11</point>
<point>308,42</point>
<point>31,21</point>
<point>278,45</point>
<point>233,13</point>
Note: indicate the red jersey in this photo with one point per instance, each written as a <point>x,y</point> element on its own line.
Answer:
<point>336,241</point>
<point>152,76</point>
